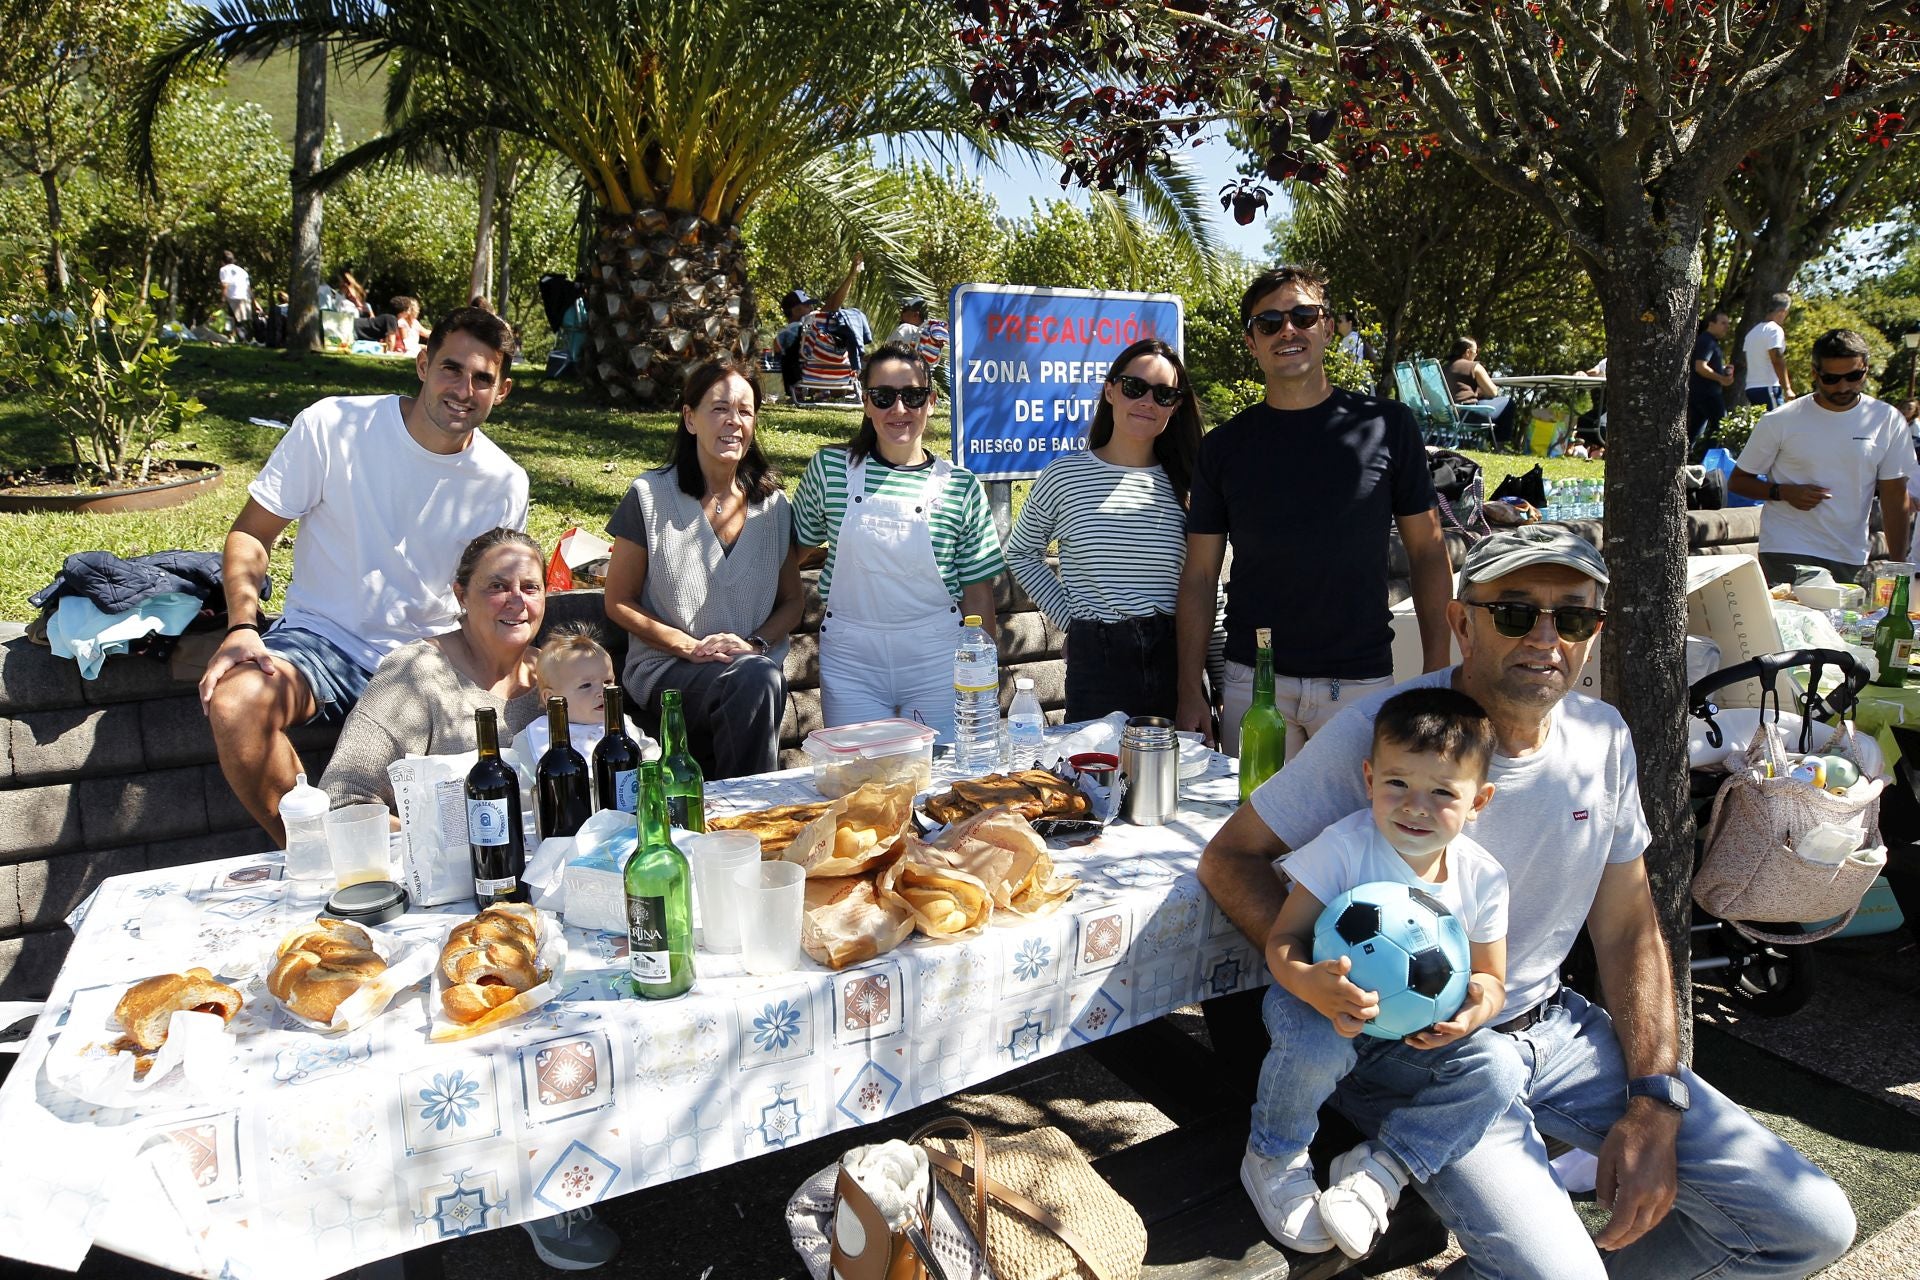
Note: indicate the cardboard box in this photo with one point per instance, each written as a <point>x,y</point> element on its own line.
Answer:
<point>1727,602</point>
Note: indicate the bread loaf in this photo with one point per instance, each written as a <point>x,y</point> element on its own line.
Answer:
<point>148,1005</point>
<point>323,965</point>
<point>489,960</point>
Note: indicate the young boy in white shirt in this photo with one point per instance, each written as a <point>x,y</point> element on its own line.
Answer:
<point>1426,779</point>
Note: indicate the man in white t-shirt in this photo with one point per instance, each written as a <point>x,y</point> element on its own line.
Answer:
<point>1695,1186</point>
<point>388,491</point>
<point>1765,355</point>
<point>236,289</point>
<point>1826,456</point>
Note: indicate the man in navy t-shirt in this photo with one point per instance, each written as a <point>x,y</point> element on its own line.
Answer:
<point>1305,486</point>
<point>1707,377</point>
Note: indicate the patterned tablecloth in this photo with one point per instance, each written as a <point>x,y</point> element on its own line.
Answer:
<point>336,1151</point>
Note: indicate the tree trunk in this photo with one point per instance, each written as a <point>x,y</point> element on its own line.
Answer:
<point>1770,269</point>
<point>480,278</point>
<point>503,235</point>
<point>1649,291</point>
<point>56,226</point>
<point>665,293</point>
<point>310,126</point>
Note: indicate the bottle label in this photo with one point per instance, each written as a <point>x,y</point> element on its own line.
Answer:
<point>1902,651</point>
<point>648,957</point>
<point>626,791</point>
<point>975,675</point>
<point>494,888</point>
<point>487,822</point>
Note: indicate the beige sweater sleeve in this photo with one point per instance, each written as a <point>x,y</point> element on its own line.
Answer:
<point>416,704</point>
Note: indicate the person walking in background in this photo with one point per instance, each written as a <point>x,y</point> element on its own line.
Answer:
<point>1355,346</point>
<point>705,577</point>
<point>388,491</point>
<point>1708,377</point>
<point>911,551</point>
<point>1118,512</point>
<point>1305,486</point>
<point>1765,352</point>
<point>1826,456</point>
<point>236,289</point>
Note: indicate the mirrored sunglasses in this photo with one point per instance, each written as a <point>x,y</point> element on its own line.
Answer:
<point>1514,618</point>
<point>1163,395</point>
<point>912,397</point>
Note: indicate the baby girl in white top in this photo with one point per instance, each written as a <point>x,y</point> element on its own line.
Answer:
<point>1426,779</point>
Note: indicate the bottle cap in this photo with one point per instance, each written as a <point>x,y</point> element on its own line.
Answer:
<point>972,620</point>
<point>304,803</point>
<point>1263,637</point>
<point>1021,682</point>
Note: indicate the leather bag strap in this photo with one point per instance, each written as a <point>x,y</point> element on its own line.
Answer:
<point>976,1176</point>
<point>1020,1204</point>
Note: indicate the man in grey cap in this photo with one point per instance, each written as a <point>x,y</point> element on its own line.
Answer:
<point>1695,1185</point>
<point>913,314</point>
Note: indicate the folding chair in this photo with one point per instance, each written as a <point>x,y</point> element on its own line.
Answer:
<point>1467,430</point>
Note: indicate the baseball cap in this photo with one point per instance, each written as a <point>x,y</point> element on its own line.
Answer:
<point>1511,550</point>
<point>796,298</point>
<point>914,303</point>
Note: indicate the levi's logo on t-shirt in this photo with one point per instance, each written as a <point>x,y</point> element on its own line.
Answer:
<point>1579,815</point>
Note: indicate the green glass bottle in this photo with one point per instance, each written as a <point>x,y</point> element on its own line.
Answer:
<point>686,785</point>
<point>659,900</point>
<point>1263,734</point>
<point>1893,639</point>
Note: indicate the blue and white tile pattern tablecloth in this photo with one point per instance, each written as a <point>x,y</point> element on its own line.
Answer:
<point>335,1151</point>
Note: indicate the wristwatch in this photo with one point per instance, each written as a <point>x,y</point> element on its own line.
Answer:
<point>1670,1090</point>
<point>1773,492</point>
<point>759,645</point>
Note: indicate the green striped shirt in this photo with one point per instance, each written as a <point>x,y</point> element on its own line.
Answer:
<point>965,543</point>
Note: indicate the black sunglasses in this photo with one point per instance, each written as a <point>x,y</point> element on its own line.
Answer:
<point>1164,396</point>
<point>1304,316</point>
<point>912,397</point>
<point>1513,618</point>
<point>1851,375</point>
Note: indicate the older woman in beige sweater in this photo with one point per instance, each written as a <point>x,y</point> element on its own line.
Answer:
<point>422,697</point>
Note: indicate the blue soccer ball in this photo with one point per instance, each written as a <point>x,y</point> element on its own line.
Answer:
<point>1406,946</point>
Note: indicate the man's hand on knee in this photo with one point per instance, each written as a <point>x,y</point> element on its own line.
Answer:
<point>241,648</point>
<point>1637,1177</point>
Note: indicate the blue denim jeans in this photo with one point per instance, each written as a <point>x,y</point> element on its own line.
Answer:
<point>1748,1205</point>
<point>1436,1103</point>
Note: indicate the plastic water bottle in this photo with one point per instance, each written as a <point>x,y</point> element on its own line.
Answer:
<point>1026,728</point>
<point>976,700</point>
<point>1551,511</point>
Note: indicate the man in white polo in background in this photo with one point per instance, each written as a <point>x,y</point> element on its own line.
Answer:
<point>1765,350</point>
<point>1825,457</point>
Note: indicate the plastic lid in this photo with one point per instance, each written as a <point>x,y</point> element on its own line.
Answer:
<point>972,620</point>
<point>369,902</point>
<point>869,739</point>
<point>303,803</point>
<point>1022,682</point>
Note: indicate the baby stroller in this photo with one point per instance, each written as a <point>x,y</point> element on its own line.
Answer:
<point>1767,976</point>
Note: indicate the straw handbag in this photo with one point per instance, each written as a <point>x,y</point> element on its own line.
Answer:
<point>1036,1206</point>
<point>1750,870</point>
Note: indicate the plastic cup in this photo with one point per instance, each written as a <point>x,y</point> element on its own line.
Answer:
<point>771,896</point>
<point>357,843</point>
<point>715,857</point>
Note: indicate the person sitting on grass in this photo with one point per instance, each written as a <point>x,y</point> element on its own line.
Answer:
<point>388,490</point>
<point>1426,778</point>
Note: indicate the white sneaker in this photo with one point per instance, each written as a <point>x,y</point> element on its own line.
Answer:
<point>573,1241</point>
<point>1365,1185</point>
<point>1284,1193</point>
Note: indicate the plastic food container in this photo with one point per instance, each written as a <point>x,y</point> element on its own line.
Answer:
<point>886,751</point>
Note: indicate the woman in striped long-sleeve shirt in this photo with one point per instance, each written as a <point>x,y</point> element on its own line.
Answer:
<point>1118,512</point>
<point>911,550</point>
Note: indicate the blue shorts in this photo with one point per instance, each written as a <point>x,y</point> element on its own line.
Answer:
<point>1771,397</point>
<point>336,680</point>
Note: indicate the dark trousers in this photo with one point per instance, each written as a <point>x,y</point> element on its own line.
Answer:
<point>733,712</point>
<point>1703,427</point>
<point>1121,666</point>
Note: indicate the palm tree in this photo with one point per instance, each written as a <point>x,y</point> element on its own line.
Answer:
<point>679,116</point>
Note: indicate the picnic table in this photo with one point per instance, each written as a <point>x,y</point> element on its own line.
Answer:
<point>331,1151</point>
<point>1567,388</point>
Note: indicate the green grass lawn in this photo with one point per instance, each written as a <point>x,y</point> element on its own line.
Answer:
<point>579,456</point>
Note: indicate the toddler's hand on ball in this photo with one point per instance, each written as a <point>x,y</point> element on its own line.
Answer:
<point>1335,997</point>
<point>1440,1033</point>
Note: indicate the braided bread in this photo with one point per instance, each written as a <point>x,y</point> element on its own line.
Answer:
<point>322,966</point>
<point>489,960</point>
<point>150,1004</point>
